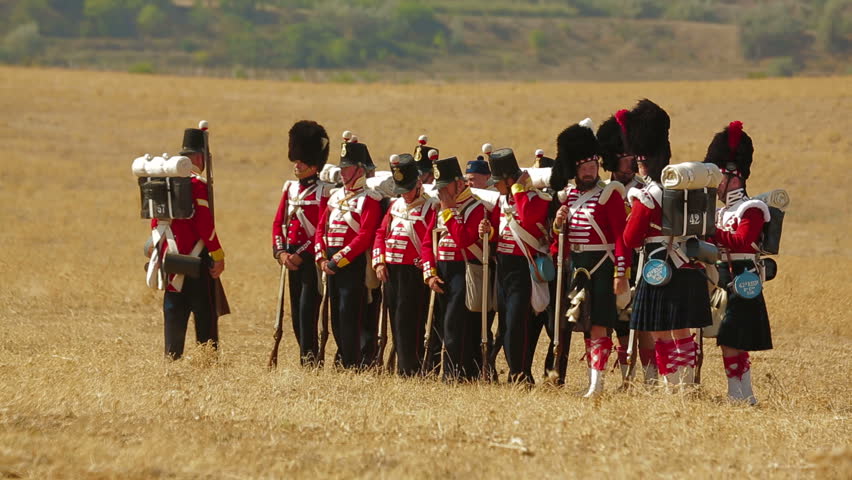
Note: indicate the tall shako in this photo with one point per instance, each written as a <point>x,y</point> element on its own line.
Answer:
<point>517,224</point>
<point>458,241</point>
<point>396,258</point>
<point>345,233</point>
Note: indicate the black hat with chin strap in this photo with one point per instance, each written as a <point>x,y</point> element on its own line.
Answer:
<point>446,171</point>
<point>355,154</point>
<point>405,173</point>
<point>193,141</point>
<point>504,165</point>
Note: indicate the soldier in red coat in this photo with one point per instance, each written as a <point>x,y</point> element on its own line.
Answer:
<point>457,224</point>
<point>344,234</point>
<point>592,217</point>
<point>194,236</point>
<point>739,225</point>
<point>624,168</point>
<point>302,202</point>
<point>668,310</point>
<point>520,217</point>
<point>397,261</point>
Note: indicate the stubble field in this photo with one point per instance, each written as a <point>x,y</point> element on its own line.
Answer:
<point>85,393</point>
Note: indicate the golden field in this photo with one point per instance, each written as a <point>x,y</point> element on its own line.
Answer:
<point>85,392</point>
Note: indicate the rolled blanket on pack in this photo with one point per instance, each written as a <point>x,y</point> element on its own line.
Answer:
<point>330,174</point>
<point>691,176</point>
<point>540,177</point>
<point>775,198</point>
<point>488,197</point>
<point>148,166</point>
<point>382,183</point>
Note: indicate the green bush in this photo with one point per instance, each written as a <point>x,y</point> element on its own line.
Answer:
<point>538,42</point>
<point>21,44</point>
<point>141,67</point>
<point>783,67</point>
<point>342,77</point>
<point>771,31</point>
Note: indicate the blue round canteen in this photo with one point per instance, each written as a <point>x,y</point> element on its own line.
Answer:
<point>747,285</point>
<point>657,272</point>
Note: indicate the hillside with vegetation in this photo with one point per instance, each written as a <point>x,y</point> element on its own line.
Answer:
<point>410,40</point>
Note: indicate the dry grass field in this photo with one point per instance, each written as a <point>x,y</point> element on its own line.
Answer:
<point>85,393</point>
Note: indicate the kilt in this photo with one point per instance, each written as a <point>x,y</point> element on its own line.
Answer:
<point>681,303</point>
<point>603,310</point>
<point>746,323</point>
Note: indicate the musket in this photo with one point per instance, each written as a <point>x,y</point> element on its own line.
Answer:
<point>427,337</point>
<point>699,356</point>
<point>220,299</point>
<point>484,370</point>
<point>279,320</point>
<point>279,316</point>
<point>557,317</point>
<point>632,343</point>
<point>324,314</point>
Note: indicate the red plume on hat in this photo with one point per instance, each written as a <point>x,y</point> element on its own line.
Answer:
<point>621,118</point>
<point>735,133</point>
<point>732,150</point>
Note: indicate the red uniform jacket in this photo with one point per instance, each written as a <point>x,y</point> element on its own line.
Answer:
<point>461,226</point>
<point>603,205</point>
<point>529,209</point>
<point>404,229</point>
<point>739,224</point>
<point>199,228</point>
<point>295,224</point>
<point>349,223</point>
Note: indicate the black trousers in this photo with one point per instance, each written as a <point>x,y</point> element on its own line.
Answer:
<point>370,330</point>
<point>348,300</point>
<point>407,298</point>
<point>195,297</point>
<point>305,300</point>
<point>514,287</point>
<point>461,326</point>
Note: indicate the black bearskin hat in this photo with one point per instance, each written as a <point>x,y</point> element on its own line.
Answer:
<point>308,143</point>
<point>575,144</point>
<point>648,136</point>
<point>731,150</point>
<point>611,140</point>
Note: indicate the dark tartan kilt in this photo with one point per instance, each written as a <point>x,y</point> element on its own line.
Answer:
<point>682,303</point>
<point>746,323</point>
<point>603,309</point>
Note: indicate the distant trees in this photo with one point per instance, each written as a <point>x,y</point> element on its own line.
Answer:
<point>356,33</point>
<point>834,31</point>
<point>21,44</point>
<point>771,31</point>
